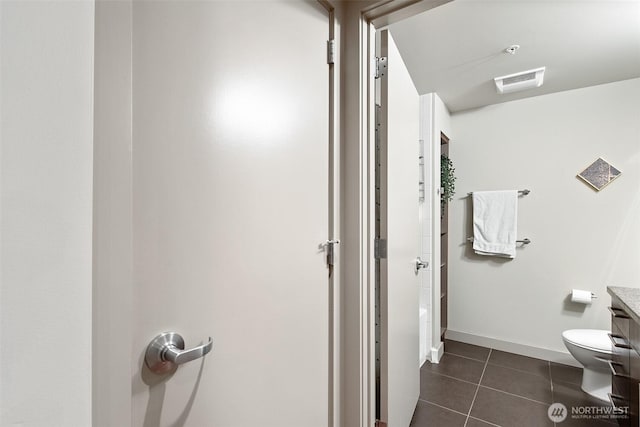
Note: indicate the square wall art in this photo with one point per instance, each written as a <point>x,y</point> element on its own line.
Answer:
<point>599,174</point>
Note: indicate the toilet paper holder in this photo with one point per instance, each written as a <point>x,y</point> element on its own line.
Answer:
<point>580,296</point>
<point>594,296</point>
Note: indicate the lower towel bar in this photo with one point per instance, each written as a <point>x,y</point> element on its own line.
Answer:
<point>524,241</point>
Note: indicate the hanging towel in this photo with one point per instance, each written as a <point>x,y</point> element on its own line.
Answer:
<point>495,218</point>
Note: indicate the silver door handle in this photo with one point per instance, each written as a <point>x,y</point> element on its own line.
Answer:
<point>166,351</point>
<point>421,264</point>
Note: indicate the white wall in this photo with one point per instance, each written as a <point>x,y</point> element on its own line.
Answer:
<point>580,238</point>
<point>46,195</point>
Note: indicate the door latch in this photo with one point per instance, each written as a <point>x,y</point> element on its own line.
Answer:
<point>421,264</point>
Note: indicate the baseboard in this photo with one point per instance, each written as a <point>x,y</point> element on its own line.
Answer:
<point>511,347</point>
<point>437,352</point>
<point>423,360</point>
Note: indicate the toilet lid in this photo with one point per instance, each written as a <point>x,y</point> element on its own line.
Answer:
<point>596,339</point>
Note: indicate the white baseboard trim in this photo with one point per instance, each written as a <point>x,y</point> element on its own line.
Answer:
<point>423,360</point>
<point>437,352</point>
<point>511,347</point>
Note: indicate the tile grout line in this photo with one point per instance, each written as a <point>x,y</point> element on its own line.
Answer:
<point>464,357</point>
<point>519,370</point>
<point>453,378</point>
<point>440,406</point>
<point>515,395</point>
<point>477,388</point>
<point>484,421</point>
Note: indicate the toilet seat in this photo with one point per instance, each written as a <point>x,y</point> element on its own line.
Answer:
<point>592,339</point>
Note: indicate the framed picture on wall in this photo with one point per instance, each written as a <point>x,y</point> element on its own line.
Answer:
<point>599,174</point>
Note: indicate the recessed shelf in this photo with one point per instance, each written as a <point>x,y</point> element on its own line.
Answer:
<point>444,249</point>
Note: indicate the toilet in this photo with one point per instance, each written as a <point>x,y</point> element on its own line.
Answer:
<point>589,346</point>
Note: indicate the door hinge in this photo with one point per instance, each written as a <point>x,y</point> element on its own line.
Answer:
<point>380,423</point>
<point>330,251</point>
<point>381,66</point>
<point>331,52</point>
<point>380,248</point>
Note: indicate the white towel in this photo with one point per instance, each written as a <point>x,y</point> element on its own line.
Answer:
<point>495,218</point>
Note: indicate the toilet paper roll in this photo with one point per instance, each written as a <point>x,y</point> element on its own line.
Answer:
<point>581,297</point>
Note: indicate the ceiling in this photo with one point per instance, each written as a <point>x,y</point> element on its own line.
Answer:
<point>458,48</point>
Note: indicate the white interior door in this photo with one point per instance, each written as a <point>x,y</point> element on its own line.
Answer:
<point>230,205</point>
<point>399,226</point>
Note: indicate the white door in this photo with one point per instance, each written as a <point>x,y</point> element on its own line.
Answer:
<point>399,225</point>
<point>230,205</point>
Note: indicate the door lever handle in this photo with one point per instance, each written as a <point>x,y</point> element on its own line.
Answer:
<point>421,264</point>
<point>166,351</point>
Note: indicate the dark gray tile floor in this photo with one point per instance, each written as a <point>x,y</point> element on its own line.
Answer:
<point>475,386</point>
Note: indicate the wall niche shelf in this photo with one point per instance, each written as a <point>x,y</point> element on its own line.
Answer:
<point>444,249</point>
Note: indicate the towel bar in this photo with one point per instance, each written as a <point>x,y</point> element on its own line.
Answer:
<point>524,241</point>
<point>520,192</point>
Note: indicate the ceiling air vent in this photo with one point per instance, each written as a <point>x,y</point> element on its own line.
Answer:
<point>520,81</point>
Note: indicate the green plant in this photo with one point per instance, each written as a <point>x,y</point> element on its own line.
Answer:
<point>447,179</point>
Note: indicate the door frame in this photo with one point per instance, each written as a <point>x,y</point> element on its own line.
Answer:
<point>112,284</point>
<point>334,230</point>
<point>367,19</point>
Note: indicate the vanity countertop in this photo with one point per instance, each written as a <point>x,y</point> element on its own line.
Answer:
<point>630,299</point>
